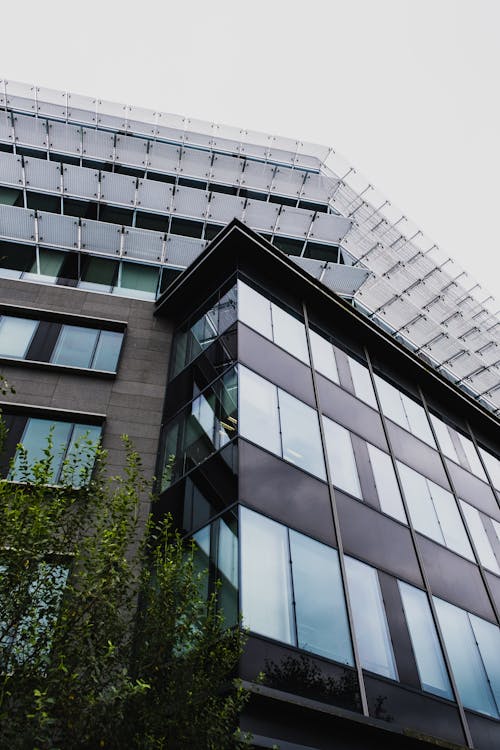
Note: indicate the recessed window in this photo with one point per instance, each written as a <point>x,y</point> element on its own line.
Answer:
<point>362,382</point>
<point>474,520</point>
<point>387,486</point>
<point>16,335</point>
<point>87,347</point>
<point>493,466</point>
<point>341,457</point>
<point>404,411</point>
<point>323,355</point>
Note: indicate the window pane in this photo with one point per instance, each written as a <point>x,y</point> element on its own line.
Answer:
<point>289,333</point>
<point>363,386</point>
<point>420,505</point>
<point>471,454</point>
<point>16,335</point>
<point>107,351</point>
<point>50,262</point>
<point>465,659</point>
<point>322,625</point>
<point>488,640</point>
<point>390,399</point>
<point>98,274</point>
<point>300,434</point>
<point>254,310</point>
<point>386,483</point>
<point>430,662</point>
<point>444,438</point>
<point>75,346</point>
<point>34,440</point>
<point>81,453</point>
<point>493,466</point>
<point>227,571</point>
<point>370,624</point>
<point>259,411</point>
<point>454,533</point>
<point>341,457</point>
<point>480,537</point>
<point>265,577</point>
<point>417,420</point>
<point>139,281</point>
<point>323,357</point>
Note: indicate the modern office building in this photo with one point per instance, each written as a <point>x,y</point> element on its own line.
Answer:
<point>315,385</point>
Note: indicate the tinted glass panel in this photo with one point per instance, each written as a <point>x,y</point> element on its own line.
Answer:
<point>139,281</point>
<point>480,538</point>
<point>444,438</point>
<point>258,413</point>
<point>454,533</point>
<point>386,483</point>
<point>324,356</point>
<point>473,460</point>
<point>80,455</point>
<point>404,411</point>
<point>465,658</point>
<point>254,310</point>
<point>370,624</point>
<point>300,434</point>
<point>428,655</point>
<point>420,505</point>
<point>341,457</point>
<point>493,467</point>
<point>15,336</point>
<point>75,346</point>
<point>265,577</point>
<point>322,625</point>
<point>363,386</point>
<point>488,641</point>
<point>289,333</point>
<point>107,351</point>
<point>34,440</point>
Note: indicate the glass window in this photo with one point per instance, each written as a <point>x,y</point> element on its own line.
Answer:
<point>50,263</point>
<point>75,346</point>
<point>493,466</point>
<point>289,333</point>
<point>469,668</point>
<point>363,386</point>
<point>254,310</point>
<point>16,335</point>
<point>300,434</point>
<point>444,438</point>
<point>98,274</point>
<point>107,351</point>
<point>433,511</point>
<point>341,457</point>
<point>266,594</point>
<point>324,356</point>
<point>370,624</point>
<point>428,655</point>
<point>137,281</point>
<point>488,641</point>
<point>227,570</point>
<point>322,625</point>
<point>472,457</point>
<point>63,437</point>
<point>258,412</point>
<point>480,537</point>
<point>404,411</point>
<point>386,483</point>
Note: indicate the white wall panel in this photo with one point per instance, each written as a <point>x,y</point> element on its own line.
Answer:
<point>57,231</point>
<point>80,182</point>
<point>30,131</point>
<point>118,188</point>
<point>82,109</point>
<point>142,244</point>
<point>42,174</point>
<point>11,170</point>
<point>100,237</point>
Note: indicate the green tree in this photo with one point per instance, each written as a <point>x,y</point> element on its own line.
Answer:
<point>106,639</point>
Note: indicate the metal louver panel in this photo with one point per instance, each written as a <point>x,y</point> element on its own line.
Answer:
<point>190,202</point>
<point>154,195</point>
<point>257,176</point>
<point>30,131</point>
<point>65,138</point>
<point>260,215</point>
<point>226,169</point>
<point>195,163</point>
<point>80,182</point>
<point>294,222</point>
<point>142,244</point>
<point>42,174</point>
<point>17,223</point>
<point>100,237</point>
<point>118,188</point>
<point>319,188</point>
<point>97,144</point>
<point>131,150</point>
<point>57,231</point>
<point>5,128</point>
<point>181,251</point>
<point>11,170</point>
<point>288,182</point>
<point>223,208</point>
<point>330,228</point>
<point>163,157</point>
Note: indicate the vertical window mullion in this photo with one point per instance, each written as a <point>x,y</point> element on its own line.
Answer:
<point>292,590</point>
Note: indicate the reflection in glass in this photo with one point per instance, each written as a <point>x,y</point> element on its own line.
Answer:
<point>322,625</point>
<point>289,333</point>
<point>75,346</point>
<point>362,382</point>
<point>488,641</point>
<point>493,466</point>
<point>341,457</point>
<point>323,355</point>
<point>428,655</point>
<point>16,335</point>
<point>300,434</point>
<point>472,457</point>
<point>107,351</point>
<point>386,483</point>
<point>465,657</point>
<point>254,310</point>
<point>370,624</point>
<point>444,438</point>
<point>259,421</point>
<point>265,577</point>
<point>480,537</point>
<point>404,411</point>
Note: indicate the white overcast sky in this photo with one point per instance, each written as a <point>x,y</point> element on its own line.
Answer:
<point>406,90</point>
